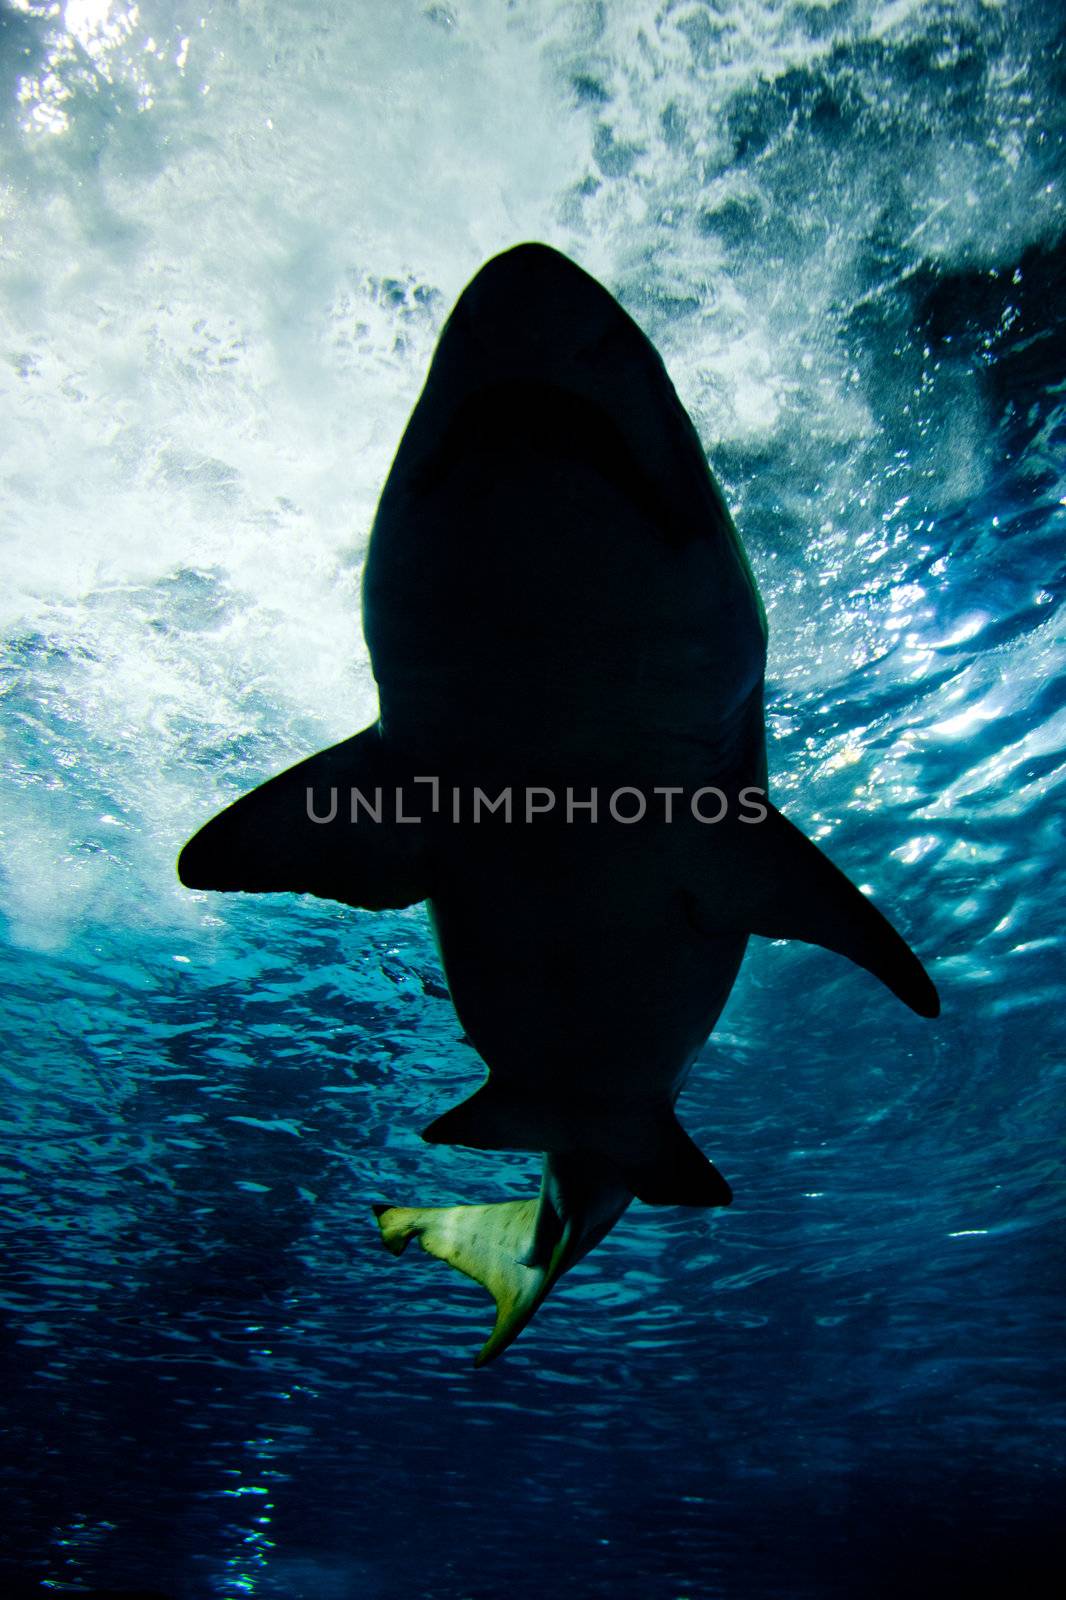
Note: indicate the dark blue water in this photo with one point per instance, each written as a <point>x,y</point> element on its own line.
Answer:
<point>229,240</point>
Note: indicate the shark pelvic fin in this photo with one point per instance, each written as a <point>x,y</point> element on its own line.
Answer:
<point>678,1174</point>
<point>305,831</point>
<point>769,878</point>
<point>645,1147</point>
<point>493,1119</point>
<point>496,1245</point>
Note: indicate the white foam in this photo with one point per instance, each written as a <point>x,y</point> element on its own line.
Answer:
<point>229,245</point>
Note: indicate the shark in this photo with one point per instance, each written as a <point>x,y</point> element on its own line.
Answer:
<point>568,767</point>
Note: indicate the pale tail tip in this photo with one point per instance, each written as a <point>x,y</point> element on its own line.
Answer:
<point>490,1350</point>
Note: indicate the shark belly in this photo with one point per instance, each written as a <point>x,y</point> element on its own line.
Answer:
<point>583,995</point>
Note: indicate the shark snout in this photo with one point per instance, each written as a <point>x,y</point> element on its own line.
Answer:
<point>531,303</point>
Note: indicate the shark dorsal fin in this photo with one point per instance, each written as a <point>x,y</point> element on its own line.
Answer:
<point>768,878</point>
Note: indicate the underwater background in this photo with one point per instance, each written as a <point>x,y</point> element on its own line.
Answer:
<point>229,235</point>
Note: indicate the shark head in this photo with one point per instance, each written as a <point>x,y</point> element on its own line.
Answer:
<point>537,354</point>
<point>564,314</point>
<point>549,518</point>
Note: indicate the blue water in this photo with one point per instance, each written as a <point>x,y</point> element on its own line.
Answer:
<point>229,238</point>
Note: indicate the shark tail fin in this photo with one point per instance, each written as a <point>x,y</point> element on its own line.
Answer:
<point>487,1243</point>
<point>647,1146</point>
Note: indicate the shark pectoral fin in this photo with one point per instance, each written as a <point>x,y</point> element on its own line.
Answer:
<point>306,832</point>
<point>677,1173</point>
<point>769,878</point>
<point>487,1243</point>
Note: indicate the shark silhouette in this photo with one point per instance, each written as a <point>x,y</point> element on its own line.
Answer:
<point>569,766</point>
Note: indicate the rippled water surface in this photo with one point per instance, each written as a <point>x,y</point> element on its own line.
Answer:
<point>229,236</point>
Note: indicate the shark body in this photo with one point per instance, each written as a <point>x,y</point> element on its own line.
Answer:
<point>558,607</point>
